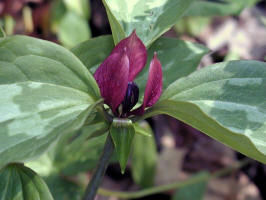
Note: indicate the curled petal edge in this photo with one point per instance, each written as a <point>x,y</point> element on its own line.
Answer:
<point>154,86</point>
<point>136,52</point>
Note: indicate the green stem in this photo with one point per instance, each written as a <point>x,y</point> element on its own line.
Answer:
<point>98,175</point>
<point>163,188</point>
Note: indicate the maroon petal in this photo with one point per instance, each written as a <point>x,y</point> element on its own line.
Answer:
<point>136,52</point>
<point>112,79</point>
<point>154,86</point>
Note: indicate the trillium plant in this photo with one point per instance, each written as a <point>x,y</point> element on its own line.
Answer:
<point>66,112</point>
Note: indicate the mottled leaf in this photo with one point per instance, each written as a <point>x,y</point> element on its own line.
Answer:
<point>75,152</point>
<point>150,18</point>
<point>34,115</point>
<point>28,59</point>
<point>82,150</point>
<point>45,92</point>
<point>226,101</point>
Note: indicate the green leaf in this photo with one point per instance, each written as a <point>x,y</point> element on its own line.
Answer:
<point>45,93</point>
<point>58,10</point>
<point>117,30</point>
<point>150,18</point>
<point>141,129</point>
<point>10,184</point>
<point>43,165</point>
<point>80,7</point>
<point>94,51</point>
<point>194,191</point>
<point>75,152</point>
<point>81,152</point>
<point>73,29</point>
<point>9,24</point>
<point>226,101</point>
<point>24,58</point>
<point>122,132</point>
<point>2,32</point>
<point>185,57</point>
<point>208,8</point>
<point>194,26</point>
<point>20,183</point>
<point>34,115</point>
<point>63,189</point>
<point>78,13</point>
<point>144,158</point>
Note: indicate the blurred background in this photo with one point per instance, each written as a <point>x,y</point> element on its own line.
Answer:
<point>230,29</point>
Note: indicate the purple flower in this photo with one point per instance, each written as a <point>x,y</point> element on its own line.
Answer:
<point>116,75</point>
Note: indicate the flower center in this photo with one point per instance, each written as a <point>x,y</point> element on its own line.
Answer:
<point>130,100</point>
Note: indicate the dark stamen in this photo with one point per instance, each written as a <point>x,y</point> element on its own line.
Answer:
<point>131,97</point>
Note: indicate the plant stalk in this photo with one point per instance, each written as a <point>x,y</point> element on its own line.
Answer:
<point>98,175</point>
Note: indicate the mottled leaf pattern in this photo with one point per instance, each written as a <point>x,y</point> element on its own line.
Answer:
<point>150,18</point>
<point>226,101</point>
<point>28,59</point>
<point>45,92</point>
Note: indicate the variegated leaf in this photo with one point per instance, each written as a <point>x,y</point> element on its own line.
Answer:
<point>150,18</point>
<point>75,152</point>
<point>227,101</point>
<point>25,58</point>
<point>45,92</point>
